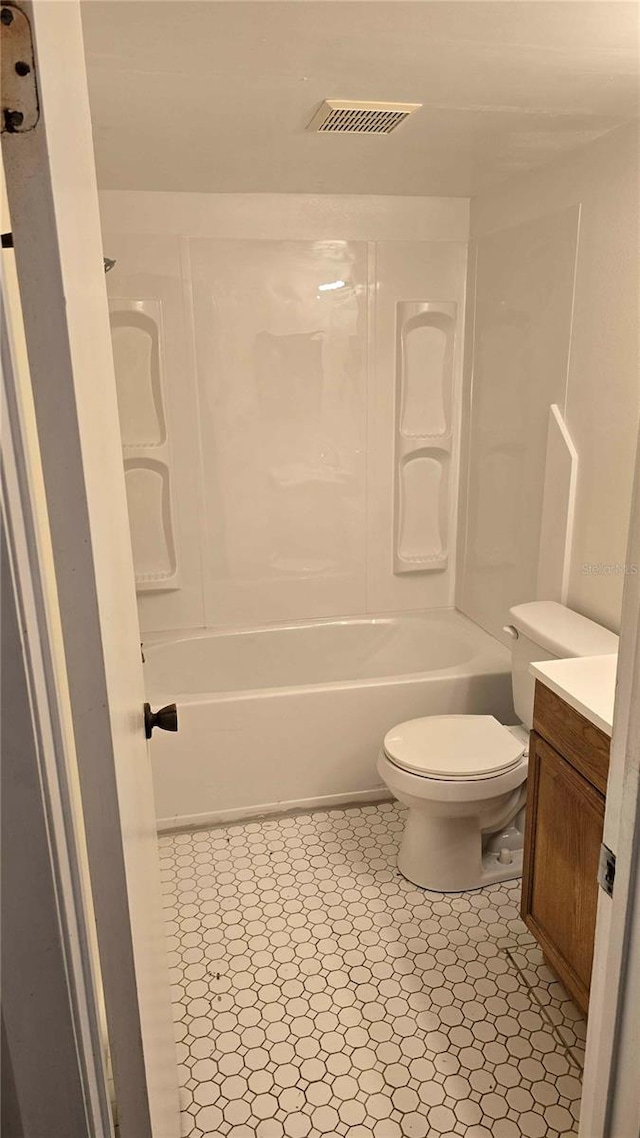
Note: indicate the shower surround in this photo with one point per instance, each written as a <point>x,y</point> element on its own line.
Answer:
<point>296,480</point>
<point>309,371</point>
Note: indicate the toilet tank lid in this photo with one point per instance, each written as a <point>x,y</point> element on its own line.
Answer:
<point>561,631</point>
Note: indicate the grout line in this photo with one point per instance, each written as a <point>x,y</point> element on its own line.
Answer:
<point>569,1052</point>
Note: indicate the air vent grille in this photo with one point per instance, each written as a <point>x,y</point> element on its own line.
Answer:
<point>336,116</point>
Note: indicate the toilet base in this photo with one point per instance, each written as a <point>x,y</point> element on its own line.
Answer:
<point>449,856</point>
<point>491,873</point>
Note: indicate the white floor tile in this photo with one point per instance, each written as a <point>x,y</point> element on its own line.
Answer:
<point>316,992</point>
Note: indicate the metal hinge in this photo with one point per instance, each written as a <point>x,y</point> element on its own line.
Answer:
<point>20,104</point>
<point>606,870</point>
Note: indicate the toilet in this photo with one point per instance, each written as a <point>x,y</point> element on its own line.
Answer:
<point>463,777</point>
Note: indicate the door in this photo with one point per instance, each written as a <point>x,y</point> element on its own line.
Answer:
<point>53,202</point>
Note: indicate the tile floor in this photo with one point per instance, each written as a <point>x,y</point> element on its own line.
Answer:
<point>319,993</point>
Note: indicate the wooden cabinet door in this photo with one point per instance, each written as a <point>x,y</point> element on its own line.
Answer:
<point>565,818</point>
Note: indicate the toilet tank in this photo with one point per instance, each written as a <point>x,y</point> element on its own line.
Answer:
<point>546,630</point>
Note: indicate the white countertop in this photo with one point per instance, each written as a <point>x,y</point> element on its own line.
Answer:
<point>586,683</point>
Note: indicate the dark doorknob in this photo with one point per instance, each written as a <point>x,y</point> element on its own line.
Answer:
<point>166,718</point>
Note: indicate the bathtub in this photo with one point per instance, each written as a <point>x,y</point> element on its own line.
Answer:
<point>292,717</point>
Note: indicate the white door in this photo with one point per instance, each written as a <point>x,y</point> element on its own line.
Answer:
<point>52,193</point>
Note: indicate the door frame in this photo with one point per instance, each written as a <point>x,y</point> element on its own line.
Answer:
<point>59,968</point>
<point>53,202</point>
<point>611,1098</point>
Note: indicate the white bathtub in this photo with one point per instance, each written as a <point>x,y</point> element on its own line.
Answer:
<point>292,717</point>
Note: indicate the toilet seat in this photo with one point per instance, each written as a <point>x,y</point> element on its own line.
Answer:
<point>465,747</point>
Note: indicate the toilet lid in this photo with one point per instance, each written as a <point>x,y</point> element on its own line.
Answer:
<point>453,746</point>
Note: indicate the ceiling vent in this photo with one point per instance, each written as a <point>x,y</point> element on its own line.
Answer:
<point>339,116</point>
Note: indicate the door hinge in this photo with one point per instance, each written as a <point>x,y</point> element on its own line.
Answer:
<point>19,87</point>
<point>606,870</point>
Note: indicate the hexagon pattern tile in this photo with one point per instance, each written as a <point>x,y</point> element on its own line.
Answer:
<point>319,993</point>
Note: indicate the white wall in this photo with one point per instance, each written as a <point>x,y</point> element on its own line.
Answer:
<point>280,396</point>
<point>553,264</point>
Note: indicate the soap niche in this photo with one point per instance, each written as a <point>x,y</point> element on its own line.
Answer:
<point>423,511</point>
<point>426,367</point>
<point>149,502</point>
<point>138,357</point>
<point>135,336</point>
<point>425,349</point>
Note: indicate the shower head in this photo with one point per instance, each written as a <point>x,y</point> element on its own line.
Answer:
<point>109,262</point>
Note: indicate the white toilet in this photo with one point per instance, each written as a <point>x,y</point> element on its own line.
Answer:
<point>463,777</point>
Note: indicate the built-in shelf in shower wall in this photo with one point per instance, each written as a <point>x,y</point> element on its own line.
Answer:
<point>148,498</point>
<point>423,505</point>
<point>137,337</point>
<point>425,344</point>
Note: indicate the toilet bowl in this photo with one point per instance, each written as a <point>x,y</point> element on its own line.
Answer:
<point>463,777</point>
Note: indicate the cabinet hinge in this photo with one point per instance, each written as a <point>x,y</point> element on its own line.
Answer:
<point>606,870</point>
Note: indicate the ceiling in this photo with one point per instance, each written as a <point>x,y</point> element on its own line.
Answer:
<point>215,95</point>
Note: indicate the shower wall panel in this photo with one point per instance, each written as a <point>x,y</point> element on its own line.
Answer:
<point>139,360</point>
<point>414,422</point>
<point>426,337</point>
<point>150,266</point>
<point>281,400</point>
<point>281,346</point>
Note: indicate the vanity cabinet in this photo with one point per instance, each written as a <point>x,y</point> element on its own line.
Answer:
<point>568,768</point>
